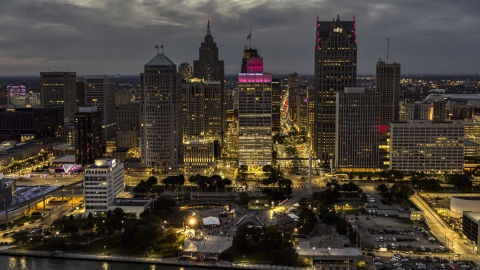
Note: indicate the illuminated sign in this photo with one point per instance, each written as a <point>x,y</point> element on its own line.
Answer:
<point>338,30</point>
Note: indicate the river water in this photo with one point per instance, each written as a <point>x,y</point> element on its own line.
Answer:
<point>35,263</point>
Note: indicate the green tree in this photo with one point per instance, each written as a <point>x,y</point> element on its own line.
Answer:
<point>382,188</point>
<point>70,229</point>
<point>401,190</point>
<point>243,198</point>
<point>152,181</point>
<point>460,181</point>
<point>361,265</point>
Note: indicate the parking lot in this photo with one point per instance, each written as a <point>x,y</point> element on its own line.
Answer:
<point>396,234</point>
<point>405,261</point>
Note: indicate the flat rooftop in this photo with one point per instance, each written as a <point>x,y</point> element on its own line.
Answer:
<point>476,198</point>
<point>473,215</point>
<point>67,159</point>
<point>130,202</point>
<point>211,244</point>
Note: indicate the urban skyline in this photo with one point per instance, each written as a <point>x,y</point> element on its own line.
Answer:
<point>89,44</point>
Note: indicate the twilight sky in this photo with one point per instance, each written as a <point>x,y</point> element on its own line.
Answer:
<point>119,36</point>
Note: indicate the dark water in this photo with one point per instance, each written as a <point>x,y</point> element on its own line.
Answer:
<point>34,263</point>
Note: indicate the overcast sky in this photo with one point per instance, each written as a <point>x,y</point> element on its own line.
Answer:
<point>119,36</point>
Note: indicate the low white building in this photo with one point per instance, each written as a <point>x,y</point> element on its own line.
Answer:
<point>103,181</point>
<point>131,206</point>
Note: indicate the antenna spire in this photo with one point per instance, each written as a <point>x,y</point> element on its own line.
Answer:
<point>208,27</point>
<point>388,47</point>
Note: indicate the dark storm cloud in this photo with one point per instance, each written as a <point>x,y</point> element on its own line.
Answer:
<point>119,36</point>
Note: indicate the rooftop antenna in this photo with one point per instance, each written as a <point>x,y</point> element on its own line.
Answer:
<point>208,27</point>
<point>388,47</point>
<point>156,47</point>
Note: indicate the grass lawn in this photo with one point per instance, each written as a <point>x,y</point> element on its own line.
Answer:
<point>259,256</point>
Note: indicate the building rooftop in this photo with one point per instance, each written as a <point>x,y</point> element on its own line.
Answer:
<point>160,60</point>
<point>467,198</point>
<point>473,215</point>
<point>65,159</point>
<point>130,202</point>
<point>212,244</point>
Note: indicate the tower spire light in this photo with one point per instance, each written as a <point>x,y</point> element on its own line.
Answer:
<point>208,27</point>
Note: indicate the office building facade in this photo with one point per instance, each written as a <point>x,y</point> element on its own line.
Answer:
<point>387,83</point>
<point>186,70</point>
<point>211,69</point>
<point>103,181</point>
<point>470,222</point>
<point>302,110</point>
<point>59,89</point>
<point>32,122</point>
<point>128,125</point>
<point>335,69</point>
<point>89,143</point>
<point>254,112</point>
<point>427,146</point>
<point>276,103</point>
<point>293,91</point>
<point>161,114</point>
<point>356,145</point>
<point>100,93</point>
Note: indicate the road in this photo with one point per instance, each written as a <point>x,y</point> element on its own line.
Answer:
<point>442,231</point>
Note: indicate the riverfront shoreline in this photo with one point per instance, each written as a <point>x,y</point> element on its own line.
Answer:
<point>141,260</point>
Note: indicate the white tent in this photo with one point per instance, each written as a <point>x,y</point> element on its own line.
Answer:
<point>296,205</point>
<point>293,216</point>
<point>210,221</point>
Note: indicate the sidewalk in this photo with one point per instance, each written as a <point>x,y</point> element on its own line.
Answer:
<point>132,259</point>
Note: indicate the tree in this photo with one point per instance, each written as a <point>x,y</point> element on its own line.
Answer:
<point>169,237</point>
<point>152,181</point>
<point>243,198</point>
<point>70,229</point>
<point>382,188</point>
<point>90,215</point>
<point>88,226</point>
<point>118,213</point>
<point>460,181</point>
<point>369,178</point>
<point>140,189</point>
<point>362,265</point>
<point>113,223</point>
<point>401,190</point>
<point>360,176</point>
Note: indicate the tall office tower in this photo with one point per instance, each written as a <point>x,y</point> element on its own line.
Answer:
<point>254,113</point>
<point>335,69</point>
<point>161,114</point>
<point>186,70</point>
<point>387,83</point>
<point>437,110</point>
<point>276,103</point>
<point>209,68</point>
<point>100,93</point>
<point>128,125</point>
<point>302,110</point>
<point>80,94</point>
<point>89,143</point>
<point>427,146</point>
<point>293,88</point>
<point>103,182</point>
<point>59,89</point>
<point>356,145</point>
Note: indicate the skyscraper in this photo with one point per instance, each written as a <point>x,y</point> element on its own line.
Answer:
<point>356,146</point>
<point>293,88</point>
<point>59,89</point>
<point>254,112</point>
<point>276,103</point>
<point>100,93</point>
<point>387,83</point>
<point>89,143</point>
<point>186,70</point>
<point>161,114</point>
<point>335,69</point>
<point>210,69</point>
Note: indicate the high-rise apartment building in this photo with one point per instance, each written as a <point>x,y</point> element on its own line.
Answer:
<point>335,69</point>
<point>254,112</point>
<point>100,93</point>
<point>293,90</point>
<point>59,89</point>
<point>356,146</point>
<point>103,181</point>
<point>276,103</point>
<point>89,143</point>
<point>427,146</point>
<point>210,69</point>
<point>161,114</point>
<point>186,70</point>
